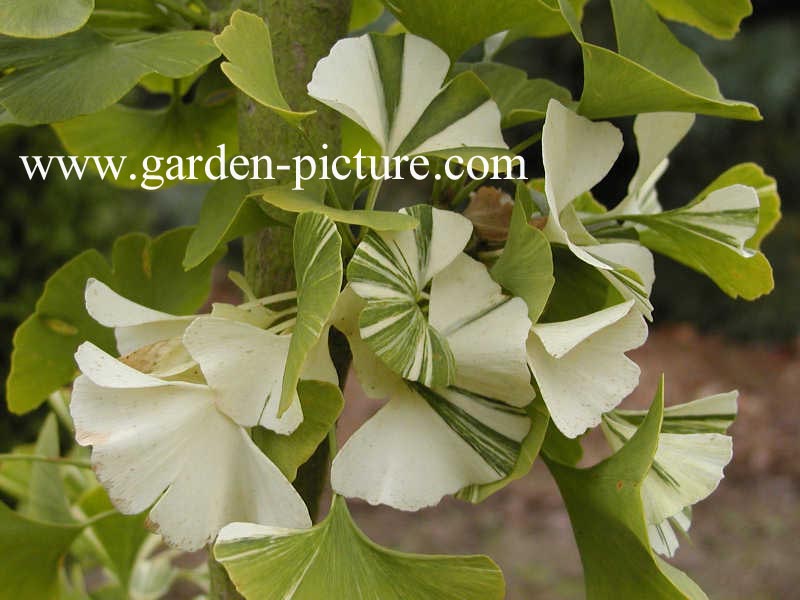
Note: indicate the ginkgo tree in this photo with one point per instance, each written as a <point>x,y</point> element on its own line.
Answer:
<point>490,327</point>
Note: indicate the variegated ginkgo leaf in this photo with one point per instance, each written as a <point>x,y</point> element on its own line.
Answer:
<point>135,326</point>
<point>318,267</point>
<point>577,154</point>
<point>427,442</point>
<point>692,453</point>
<point>580,365</point>
<point>392,87</point>
<point>391,270</point>
<point>167,442</point>
<point>335,560</point>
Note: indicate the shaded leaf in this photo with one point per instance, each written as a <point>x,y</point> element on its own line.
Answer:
<point>149,138</point>
<point>47,498</point>
<point>43,18</point>
<point>526,266</point>
<point>227,214</point>
<point>86,71</point>
<point>520,100</point>
<point>322,403</point>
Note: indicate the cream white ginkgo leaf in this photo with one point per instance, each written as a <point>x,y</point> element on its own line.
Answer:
<point>135,326</point>
<point>692,452</point>
<point>580,365</point>
<point>428,442</point>
<point>577,154</point>
<point>391,271</point>
<point>244,365</point>
<point>664,536</point>
<point>166,442</point>
<point>392,86</point>
<point>657,134</point>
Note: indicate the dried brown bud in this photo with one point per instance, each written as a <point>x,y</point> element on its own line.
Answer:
<point>490,211</point>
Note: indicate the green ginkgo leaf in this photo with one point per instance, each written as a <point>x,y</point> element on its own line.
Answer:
<point>659,72</point>
<point>227,213</point>
<point>526,266</point>
<point>246,44</point>
<point>43,18</point>
<point>32,554</point>
<point>86,71</point>
<point>605,506</point>
<point>149,138</point>
<point>335,557</point>
<point>318,270</point>
<point>146,270</point>
<point>322,403</point>
<point>47,497</point>
<point>363,13</point>
<point>299,201</point>
<point>720,19</point>
<point>520,100</point>
<point>457,25</point>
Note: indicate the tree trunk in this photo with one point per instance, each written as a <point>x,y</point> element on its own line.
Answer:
<point>303,31</point>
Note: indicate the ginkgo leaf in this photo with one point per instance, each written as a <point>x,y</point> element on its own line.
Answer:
<point>246,43</point>
<point>456,27</point>
<point>580,365</point>
<point>42,18</point>
<point>166,442</point>
<point>322,403</point>
<point>363,13</point>
<point>710,236</point>
<point>469,434</point>
<point>720,19</point>
<point>664,537</point>
<point>86,71</point>
<point>33,551</point>
<point>391,272</point>
<point>181,129</point>
<point>661,74</point>
<point>520,100</point>
<point>525,268</point>
<point>391,86</point>
<point>692,452</point>
<point>569,140</point>
<point>148,271</point>
<point>47,497</point>
<point>318,270</point>
<point>227,214</point>
<point>244,364</point>
<point>605,507</point>
<point>297,201</point>
<point>335,556</point>
<point>657,134</point>
<point>135,326</point>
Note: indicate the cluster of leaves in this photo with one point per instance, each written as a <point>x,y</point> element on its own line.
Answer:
<point>496,332</point>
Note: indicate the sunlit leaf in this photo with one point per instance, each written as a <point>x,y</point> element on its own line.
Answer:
<point>720,19</point>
